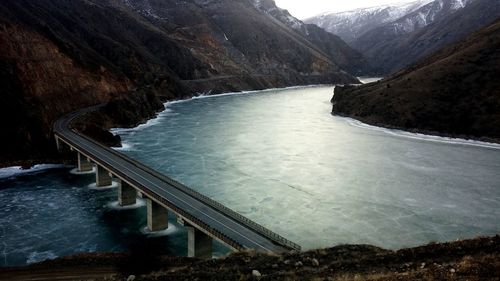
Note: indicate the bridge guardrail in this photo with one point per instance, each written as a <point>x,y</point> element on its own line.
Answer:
<point>203,198</point>
<point>228,240</point>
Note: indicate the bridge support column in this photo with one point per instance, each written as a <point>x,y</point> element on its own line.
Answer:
<point>199,244</point>
<point>157,216</point>
<point>126,194</point>
<point>84,165</point>
<point>61,146</point>
<point>102,177</point>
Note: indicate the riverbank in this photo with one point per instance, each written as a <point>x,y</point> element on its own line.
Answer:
<point>474,259</point>
<point>452,93</point>
<point>423,134</point>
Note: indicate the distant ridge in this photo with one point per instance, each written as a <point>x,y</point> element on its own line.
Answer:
<point>392,41</point>
<point>350,25</point>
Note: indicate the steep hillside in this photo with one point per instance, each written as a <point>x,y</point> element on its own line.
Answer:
<point>61,55</point>
<point>453,92</point>
<point>327,43</point>
<point>402,42</point>
<point>351,25</point>
<point>39,82</point>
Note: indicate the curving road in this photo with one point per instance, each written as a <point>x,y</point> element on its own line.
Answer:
<point>197,210</point>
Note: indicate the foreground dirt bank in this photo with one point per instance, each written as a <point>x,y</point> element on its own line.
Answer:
<point>475,259</point>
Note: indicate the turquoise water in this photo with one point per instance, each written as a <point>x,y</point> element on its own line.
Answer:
<point>279,158</point>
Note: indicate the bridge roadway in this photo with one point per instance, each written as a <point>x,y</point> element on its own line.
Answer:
<point>206,215</point>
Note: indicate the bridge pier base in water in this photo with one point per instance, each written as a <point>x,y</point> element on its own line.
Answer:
<point>126,194</point>
<point>199,244</point>
<point>157,216</point>
<point>84,165</point>
<point>102,177</point>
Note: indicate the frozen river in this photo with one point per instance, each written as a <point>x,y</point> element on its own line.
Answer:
<point>279,158</point>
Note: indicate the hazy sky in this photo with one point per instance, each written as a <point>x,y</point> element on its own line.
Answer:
<point>306,8</point>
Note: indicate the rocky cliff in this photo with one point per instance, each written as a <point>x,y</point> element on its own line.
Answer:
<point>453,92</point>
<point>39,82</point>
<point>61,55</point>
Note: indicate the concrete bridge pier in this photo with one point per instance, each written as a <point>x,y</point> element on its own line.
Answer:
<point>157,216</point>
<point>102,177</point>
<point>126,194</point>
<point>199,244</point>
<point>61,146</point>
<point>84,164</point>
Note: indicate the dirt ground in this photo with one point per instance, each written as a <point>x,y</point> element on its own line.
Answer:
<point>475,259</point>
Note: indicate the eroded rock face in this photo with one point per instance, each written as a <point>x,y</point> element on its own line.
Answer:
<point>40,83</point>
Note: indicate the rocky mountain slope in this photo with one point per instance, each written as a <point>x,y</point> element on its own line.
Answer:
<point>453,92</point>
<point>394,37</point>
<point>61,55</point>
<point>412,37</point>
<point>351,25</point>
<point>327,43</point>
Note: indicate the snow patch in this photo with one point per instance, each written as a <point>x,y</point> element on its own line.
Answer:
<point>40,256</point>
<point>18,170</point>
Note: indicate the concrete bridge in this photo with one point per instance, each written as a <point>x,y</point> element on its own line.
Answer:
<point>204,218</point>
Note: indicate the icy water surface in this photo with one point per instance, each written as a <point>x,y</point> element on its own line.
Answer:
<point>279,158</point>
<point>53,213</point>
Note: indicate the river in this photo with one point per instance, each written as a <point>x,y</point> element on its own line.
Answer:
<point>280,158</point>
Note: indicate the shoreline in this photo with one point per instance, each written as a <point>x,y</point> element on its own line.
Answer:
<point>409,133</point>
<point>422,135</point>
<point>15,171</point>
<point>153,121</point>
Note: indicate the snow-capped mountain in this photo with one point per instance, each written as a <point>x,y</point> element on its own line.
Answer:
<point>350,25</point>
<point>383,44</point>
<point>421,17</point>
<point>387,35</point>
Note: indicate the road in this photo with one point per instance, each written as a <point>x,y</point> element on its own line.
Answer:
<point>203,213</point>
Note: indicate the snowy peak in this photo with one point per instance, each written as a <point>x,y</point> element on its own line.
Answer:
<point>350,25</point>
<point>401,18</point>
<point>426,14</point>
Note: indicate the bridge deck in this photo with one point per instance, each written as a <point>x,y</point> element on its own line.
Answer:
<point>197,210</point>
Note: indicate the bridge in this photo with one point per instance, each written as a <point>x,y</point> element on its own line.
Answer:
<point>204,218</point>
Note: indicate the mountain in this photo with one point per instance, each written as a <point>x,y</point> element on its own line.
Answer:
<point>351,25</point>
<point>393,46</point>
<point>394,37</point>
<point>454,92</point>
<point>327,43</point>
<point>58,56</point>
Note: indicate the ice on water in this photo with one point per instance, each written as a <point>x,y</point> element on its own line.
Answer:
<point>281,159</point>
